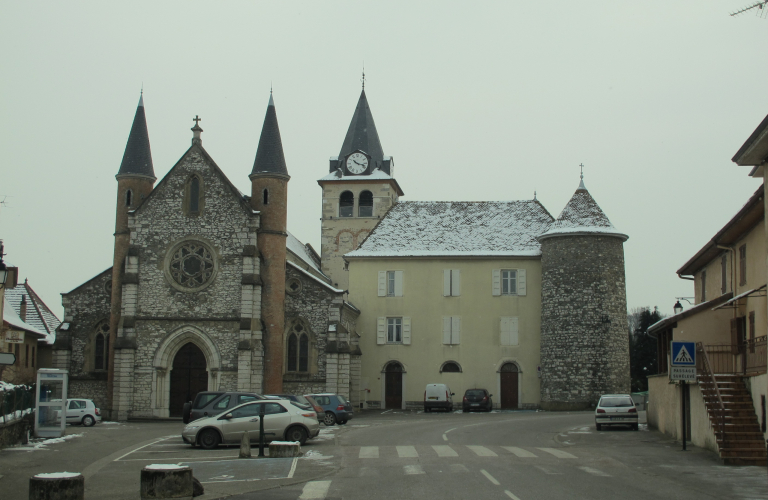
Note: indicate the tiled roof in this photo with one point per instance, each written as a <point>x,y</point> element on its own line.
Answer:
<point>582,214</point>
<point>458,228</point>
<point>39,316</point>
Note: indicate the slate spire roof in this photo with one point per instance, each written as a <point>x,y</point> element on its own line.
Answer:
<point>362,133</point>
<point>270,159</point>
<point>137,159</point>
<point>582,215</point>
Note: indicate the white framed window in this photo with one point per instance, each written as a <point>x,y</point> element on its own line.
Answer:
<point>509,331</point>
<point>451,282</point>
<point>390,283</point>
<point>508,282</point>
<point>451,330</point>
<point>393,330</point>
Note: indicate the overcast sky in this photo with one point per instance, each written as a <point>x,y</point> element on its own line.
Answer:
<point>473,100</point>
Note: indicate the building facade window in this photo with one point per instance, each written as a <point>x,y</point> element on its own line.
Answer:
<point>723,274</point>
<point>101,348</point>
<point>509,282</point>
<point>451,282</point>
<point>390,283</point>
<point>265,197</point>
<point>365,202</point>
<point>191,266</point>
<point>193,196</point>
<point>751,338</point>
<point>704,285</point>
<point>509,331</point>
<point>26,356</point>
<point>451,330</point>
<point>347,204</point>
<point>393,330</point>
<point>299,349</point>
<point>742,265</point>
<point>128,198</point>
<point>33,356</point>
<point>450,367</point>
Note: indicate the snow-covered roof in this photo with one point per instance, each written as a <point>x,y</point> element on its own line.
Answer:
<point>300,250</point>
<point>582,215</point>
<point>376,175</point>
<point>39,316</point>
<point>458,228</point>
<point>313,277</point>
<point>12,318</point>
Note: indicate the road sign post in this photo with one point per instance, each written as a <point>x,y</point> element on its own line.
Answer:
<point>683,368</point>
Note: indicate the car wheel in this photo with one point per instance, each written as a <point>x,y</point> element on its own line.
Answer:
<point>88,421</point>
<point>330,418</point>
<point>209,439</point>
<point>296,434</point>
<point>185,412</point>
<point>598,427</point>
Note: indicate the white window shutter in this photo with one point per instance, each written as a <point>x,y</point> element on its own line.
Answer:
<point>455,329</point>
<point>456,282</point>
<point>521,281</point>
<point>446,282</point>
<point>381,331</point>
<point>382,283</point>
<point>506,330</point>
<point>514,336</point>
<point>398,283</point>
<point>496,282</point>
<point>446,330</point>
<point>407,331</point>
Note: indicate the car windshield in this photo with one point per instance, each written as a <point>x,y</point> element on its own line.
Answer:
<point>203,399</point>
<point>303,406</point>
<point>616,402</point>
<point>475,392</point>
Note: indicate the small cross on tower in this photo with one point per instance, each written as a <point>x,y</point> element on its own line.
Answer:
<point>196,130</point>
<point>196,119</point>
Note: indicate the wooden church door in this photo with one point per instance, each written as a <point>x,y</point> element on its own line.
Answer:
<point>188,377</point>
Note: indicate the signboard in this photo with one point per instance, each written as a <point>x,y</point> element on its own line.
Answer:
<point>686,373</point>
<point>7,358</point>
<point>683,353</point>
<point>14,337</point>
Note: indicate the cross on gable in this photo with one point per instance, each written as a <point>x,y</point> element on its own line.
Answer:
<point>196,119</point>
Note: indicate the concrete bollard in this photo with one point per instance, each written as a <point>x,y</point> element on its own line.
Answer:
<point>57,486</point>
<point>245,446</point>
<point>166,481</point>
<point>284,449</point>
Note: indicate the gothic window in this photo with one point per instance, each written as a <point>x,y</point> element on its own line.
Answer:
<point>366,204</point>
<point>191,265</point>
<point>101,348</point>
<point>265,195</point>
<point>298,349</point>
<point>347,204</point>
<point>193,196</point>
<point>128,198</point>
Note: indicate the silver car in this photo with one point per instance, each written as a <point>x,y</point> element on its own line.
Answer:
<point>616,409</point>
<point>283,420</point>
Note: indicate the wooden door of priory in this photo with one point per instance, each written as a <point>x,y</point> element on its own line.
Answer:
<point>509,386</point>
<point>393,386</point>
<point>188,377</point>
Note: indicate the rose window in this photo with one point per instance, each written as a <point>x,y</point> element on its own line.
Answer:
<point>192,265</point>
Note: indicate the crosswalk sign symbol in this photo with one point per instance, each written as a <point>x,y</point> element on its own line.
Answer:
<point>683,354</point>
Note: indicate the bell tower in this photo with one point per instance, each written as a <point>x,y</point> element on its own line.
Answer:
<point>358,190</point>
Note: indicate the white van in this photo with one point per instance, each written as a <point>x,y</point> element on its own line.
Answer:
<point>438,396</point>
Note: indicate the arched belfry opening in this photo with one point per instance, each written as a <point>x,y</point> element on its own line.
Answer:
<point>189,375</point>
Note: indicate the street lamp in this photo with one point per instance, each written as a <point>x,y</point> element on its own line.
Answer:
<point>678,308</point>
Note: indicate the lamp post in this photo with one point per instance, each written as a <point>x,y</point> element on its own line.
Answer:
<point>678,308</point>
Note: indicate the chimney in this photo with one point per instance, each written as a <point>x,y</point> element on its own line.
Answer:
<point>23,308</point>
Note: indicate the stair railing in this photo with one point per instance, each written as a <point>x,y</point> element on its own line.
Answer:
<point>705,368</point>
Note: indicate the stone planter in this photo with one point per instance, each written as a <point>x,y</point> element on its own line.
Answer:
<point>284,449</point>
<point>166,481</point>
<point>57,486</point>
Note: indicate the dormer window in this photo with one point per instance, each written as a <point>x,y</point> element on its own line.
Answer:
<point>193,196</point>
<point>365,208</point>
<point>347,204</point>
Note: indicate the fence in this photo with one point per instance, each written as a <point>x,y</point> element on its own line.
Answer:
<point>15,403</point>
<point>747,358</point>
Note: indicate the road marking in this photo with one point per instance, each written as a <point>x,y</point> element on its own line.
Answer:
<point>490,477</point>
<point>445,437</point>
<point>369,452</point>
<point>413,469</point>
<point>557,453</point>
<point>140,447</point>
<point>510,495</point>
<point>547,471</point>
<point>444,451</point>
<point>407,452</point>
<point>482,451</point>
<point>315,490</point>
<point>594,472</point>
<point>458,468</point>
<point>293,467</point>
<point>185,459</point>
<point>519,452</point>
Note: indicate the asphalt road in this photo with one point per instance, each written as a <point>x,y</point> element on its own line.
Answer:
<point>393,454</point>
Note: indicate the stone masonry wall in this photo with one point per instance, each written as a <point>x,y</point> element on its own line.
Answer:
<point>584,342</point>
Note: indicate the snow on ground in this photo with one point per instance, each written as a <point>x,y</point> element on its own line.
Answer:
<point>17,415</point>
<point>326,434</point>
<point>42,443</point>
<point>319,457</point>
<point>5,386</point>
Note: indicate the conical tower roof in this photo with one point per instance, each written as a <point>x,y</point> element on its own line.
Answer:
<point>137,159</point>
<point>582,215</point>
<point>270,159</point>
<point>362,133</point>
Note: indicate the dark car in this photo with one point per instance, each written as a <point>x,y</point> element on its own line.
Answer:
<point>301,400</point>
<point>477,399</point>
<point>336,407</point>
<point>210,403</point>
<point>318,409</point>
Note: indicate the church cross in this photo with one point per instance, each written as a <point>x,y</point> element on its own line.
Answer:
<point>196,119</point>
<point>582,170</point>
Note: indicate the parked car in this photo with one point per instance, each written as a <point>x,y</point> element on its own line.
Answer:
<point>283,420</point>
<point>438,396</point>
<point>82,411</point>
<point>336,407</point>
<point>292,397</point>
<point>616,409</point>
<point>211,403</point>
<point>318,409</point>
<point>477,399</point>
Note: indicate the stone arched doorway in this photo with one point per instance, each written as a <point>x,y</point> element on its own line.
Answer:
<point>393,385</point>
<point>509,385</point>
<point>189,375</point>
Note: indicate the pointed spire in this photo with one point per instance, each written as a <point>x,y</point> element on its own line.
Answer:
<point>269,155</point>
<point>362,133</point>
<point>581,184</point>
<point>137,159</point>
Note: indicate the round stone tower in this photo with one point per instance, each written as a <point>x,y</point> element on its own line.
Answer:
<point>584,341</point>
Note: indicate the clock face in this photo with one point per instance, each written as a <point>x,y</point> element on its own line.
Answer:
<point>357,163</point>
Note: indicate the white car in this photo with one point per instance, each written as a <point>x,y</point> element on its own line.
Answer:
<point>616,409</point>
<point>82,411</point>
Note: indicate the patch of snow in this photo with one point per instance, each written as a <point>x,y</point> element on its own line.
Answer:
<point>62,439</point>
<point>17,415</point>
<point>326,434</point>
<point>313,277</point>
<point>57,475</point>
<point>284,442</point>
<point>110,422</point>
<point>165,467</point>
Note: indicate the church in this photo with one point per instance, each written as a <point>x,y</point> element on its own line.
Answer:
<point>209,291</point>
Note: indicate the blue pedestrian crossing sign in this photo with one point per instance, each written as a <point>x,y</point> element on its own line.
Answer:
<point>683,353</point>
